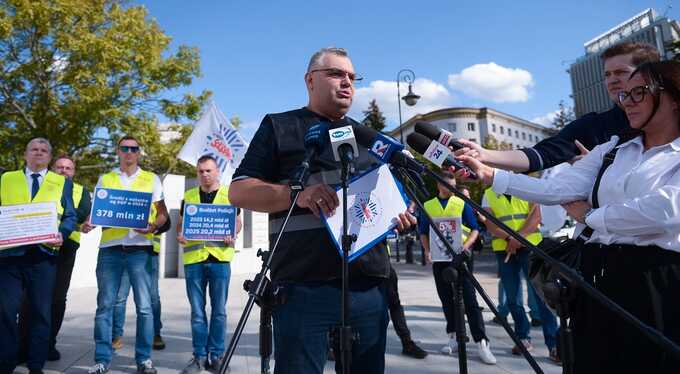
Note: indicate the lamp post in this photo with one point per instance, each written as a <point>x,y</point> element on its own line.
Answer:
<point>408,76</point>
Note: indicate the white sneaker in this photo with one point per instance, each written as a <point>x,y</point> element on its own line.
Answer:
<point>452,347</point>
<point>485,352</point>
<point>98,368</point>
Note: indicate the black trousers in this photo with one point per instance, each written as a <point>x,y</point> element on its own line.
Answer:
<point>645,281</point>
<point>472,310</point>
<point>33,273</point>
<point>395,307</point>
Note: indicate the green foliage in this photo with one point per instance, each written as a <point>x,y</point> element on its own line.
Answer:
<point>565,114</point>
<point>374,117</point>
<point>235,121</point>
<point>81,73</point>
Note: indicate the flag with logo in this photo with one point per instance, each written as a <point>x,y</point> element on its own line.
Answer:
<point>213,135</point>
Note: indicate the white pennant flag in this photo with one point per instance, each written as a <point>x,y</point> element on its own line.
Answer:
<point>213,135</point>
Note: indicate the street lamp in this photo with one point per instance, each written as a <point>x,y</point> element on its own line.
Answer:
<point>408,76</point>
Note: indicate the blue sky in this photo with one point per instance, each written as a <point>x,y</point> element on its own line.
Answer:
<point>510,56</point>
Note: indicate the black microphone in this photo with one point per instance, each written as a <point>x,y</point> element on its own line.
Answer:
<point>435,133</point>
<point>384,148</point>
<point>315,140</point>
<point>436,153</point>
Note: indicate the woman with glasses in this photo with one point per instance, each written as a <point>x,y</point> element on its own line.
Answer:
<point>634,215</point>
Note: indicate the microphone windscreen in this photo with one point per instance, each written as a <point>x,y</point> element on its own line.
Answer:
<point>364,135</point>
<point>418,142</point>
<point>316,136</point>
<point>428,129</point>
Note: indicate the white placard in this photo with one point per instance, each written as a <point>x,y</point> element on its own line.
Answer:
<point>374,200</point>
<point>28,224</point>
<point>451,228</point>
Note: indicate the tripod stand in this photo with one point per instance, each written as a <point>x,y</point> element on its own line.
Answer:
<point>455,275</point>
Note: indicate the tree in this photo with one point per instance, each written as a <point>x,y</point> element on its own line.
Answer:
<point>565,114</point>
<point>374,117</point>
<point>82,73</point>
<point>235,121</point>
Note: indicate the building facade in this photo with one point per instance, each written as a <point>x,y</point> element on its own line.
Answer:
<point>587,73</point>
<point>477,124</point>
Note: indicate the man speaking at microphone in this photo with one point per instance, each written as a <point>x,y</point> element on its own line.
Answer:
<point>306,265</point>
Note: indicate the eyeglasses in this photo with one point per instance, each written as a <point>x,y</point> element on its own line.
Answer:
<point>340,74</point>
<point>129,149</point>
<point>636,94</point>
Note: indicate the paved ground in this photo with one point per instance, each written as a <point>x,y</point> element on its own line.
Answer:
<point>423,313</point>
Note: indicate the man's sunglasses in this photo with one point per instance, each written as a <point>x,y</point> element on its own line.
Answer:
<point>340,74</point>
<point>129,149</point>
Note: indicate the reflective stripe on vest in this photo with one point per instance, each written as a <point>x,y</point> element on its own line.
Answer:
<point>14,190</point>
<point>143,183</point>
<point>198,251</point>
<point>77,196</point>
<point>513,213</point>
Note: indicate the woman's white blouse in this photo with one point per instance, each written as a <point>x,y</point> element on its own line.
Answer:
<point>639,194</point>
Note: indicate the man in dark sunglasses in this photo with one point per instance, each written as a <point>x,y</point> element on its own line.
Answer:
<point>126,250</point>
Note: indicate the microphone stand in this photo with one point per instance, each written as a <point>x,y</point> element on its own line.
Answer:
<point>342,336</point>
<point>455,275</point>
<point>564,271</point>
<point>258,286</point>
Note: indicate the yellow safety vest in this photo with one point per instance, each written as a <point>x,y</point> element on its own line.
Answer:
<point>77,196</point>
<point>198,251</point>
<point>513,213</point>
<point>143,183</point>
<point>14,190</point>
<point>454,209</point>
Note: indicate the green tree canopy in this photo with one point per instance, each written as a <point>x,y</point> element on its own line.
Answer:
<point>374,117</point>
<point>565,114</point>
<point>81,73</point>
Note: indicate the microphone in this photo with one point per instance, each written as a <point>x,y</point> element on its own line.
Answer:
<point>315,141</point>
<point>385,149</point>
<point>436,153</point>
<point>344,144</point>
<point>435,133</point>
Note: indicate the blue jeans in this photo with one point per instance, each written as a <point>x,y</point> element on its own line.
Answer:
<point>503,310</point>
<point>124,292</point>
<point>511,276</point>
<point>302,324</point>
<point>111,263</point>
<point>208,339</point>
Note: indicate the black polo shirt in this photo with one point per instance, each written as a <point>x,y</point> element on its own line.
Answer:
<point>592,129</point>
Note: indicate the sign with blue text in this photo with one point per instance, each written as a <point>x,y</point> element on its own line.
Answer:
<point>120,208</point>
<point>208,222</point>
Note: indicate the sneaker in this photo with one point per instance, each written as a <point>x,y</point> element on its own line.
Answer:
<point>412,350</point>
<point>555,357</point>
<point>527,344</point>
<point>194,366</point>
<point>452,347</point>
<point>485,352</point>
<point>98,368</point>
<point>53,354</point>
<point>535,322</point>
<point>158,343</point>
<point>146,367</point>
<point>499,320</point>
<point>117,343</point>
<point>213,363</point>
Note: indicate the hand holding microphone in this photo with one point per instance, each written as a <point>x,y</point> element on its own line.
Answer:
<point>439,155</point>
<point>460,147</point>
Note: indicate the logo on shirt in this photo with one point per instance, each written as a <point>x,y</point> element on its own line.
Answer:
<point>366,209</point>
<point>102,194</point>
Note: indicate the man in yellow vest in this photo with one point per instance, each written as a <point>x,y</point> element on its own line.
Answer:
<point>66,166</point>
<point>207,263</point>
<point>32,267</point>
<point>513,260</point>
<point>457,222</point>
<point>130,250</point>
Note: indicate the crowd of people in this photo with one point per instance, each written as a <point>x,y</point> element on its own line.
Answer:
<point>625,191</point>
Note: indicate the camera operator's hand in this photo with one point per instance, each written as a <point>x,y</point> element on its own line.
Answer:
<point>319,198</point>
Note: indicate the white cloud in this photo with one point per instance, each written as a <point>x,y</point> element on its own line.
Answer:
<point>547,119</point>
<point>433,96</point>
<point>493,82</point>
